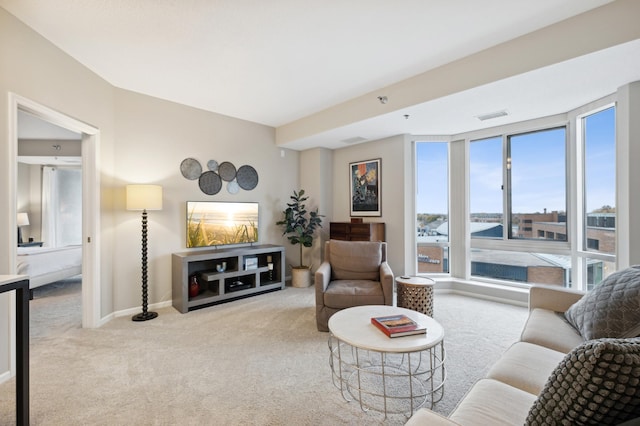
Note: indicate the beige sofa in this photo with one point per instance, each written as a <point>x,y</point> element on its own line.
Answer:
<point>552,373</point>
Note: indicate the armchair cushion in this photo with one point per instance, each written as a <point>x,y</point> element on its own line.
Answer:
<point>611,309</point>
<point>355,261</point>
<point>596,383</point>
<point>347,293</point>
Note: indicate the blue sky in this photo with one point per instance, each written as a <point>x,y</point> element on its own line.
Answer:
<point>538,170</point>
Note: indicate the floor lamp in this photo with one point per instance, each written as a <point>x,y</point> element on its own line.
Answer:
<point>144,197</point>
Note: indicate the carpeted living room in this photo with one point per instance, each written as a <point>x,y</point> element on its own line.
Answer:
<point>256,361</point>
<point>467,168</point>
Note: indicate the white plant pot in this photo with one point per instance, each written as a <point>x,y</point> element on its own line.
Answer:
<point>300,277</point>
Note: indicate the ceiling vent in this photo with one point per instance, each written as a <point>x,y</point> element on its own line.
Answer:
<point>492,115</point>
<point>356,139</point>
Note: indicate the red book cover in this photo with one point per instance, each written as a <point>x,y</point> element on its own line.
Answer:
<point>398,325</point>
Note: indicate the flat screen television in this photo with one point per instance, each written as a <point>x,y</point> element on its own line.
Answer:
<point>217,223</point>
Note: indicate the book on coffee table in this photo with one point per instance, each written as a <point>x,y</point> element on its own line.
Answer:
<point>398,325</point>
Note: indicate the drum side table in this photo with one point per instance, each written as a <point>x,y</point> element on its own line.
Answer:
<point>416,293</point>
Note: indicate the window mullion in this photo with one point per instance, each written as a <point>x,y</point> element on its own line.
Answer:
<point>506,189</point>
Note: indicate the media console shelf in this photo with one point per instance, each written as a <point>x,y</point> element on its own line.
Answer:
<point>247,273</point>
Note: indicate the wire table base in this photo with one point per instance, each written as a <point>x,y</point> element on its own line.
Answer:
<point>388,382</point>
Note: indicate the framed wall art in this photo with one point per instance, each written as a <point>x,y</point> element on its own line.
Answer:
<point>365,188</point>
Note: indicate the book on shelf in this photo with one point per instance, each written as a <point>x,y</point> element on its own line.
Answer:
<point>398,325</point>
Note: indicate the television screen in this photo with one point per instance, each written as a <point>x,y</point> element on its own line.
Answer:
<point>215,223</point>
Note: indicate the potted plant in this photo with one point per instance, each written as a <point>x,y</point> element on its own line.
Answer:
<point>299,227</point>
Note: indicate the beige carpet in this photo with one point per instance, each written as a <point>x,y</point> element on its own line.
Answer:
<point>256,361</point>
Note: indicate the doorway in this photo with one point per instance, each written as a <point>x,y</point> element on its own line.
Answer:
<point>90,137</point>
<point>49,205</point>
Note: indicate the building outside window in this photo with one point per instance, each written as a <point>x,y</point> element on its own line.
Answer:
<point>520,223</point>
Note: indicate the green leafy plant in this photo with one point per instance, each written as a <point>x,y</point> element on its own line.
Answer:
<point>299,224</point>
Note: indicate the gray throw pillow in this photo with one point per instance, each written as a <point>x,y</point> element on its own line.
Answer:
<point>597,383</point>
<point>611,309</point>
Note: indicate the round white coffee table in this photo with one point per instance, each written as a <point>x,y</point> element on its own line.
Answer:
<point>389,375</point>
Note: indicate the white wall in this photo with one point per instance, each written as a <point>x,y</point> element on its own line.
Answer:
<point>154,136</point>
<point>33,68</point>
<point>393,202</point>
<point>142,139</point>
<point>317,180</point>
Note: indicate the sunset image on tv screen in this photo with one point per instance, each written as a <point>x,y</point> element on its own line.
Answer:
<point>212,223</point>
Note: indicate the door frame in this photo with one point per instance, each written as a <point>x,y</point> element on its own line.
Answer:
<point>91,283</point>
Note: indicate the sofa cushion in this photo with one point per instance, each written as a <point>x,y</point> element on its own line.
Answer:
<point>355,260</point>
<point>611,309</point>
<point>551,330</point>
<point>425,416</point>
<point>596,383</point>
<point>526,366</point>
<point>486,404</point>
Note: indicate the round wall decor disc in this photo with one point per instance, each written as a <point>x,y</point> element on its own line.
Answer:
<point>190,168</point>
<point>210,183</point>
<point>232,187</point>
<point>227,171</point>
<point>212,165</point>
<point>247,177</point>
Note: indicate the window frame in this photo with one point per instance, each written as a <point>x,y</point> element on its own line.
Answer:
<point>443,245</point>
<point>460,244</point>
<point>581,255</point>
<point>530,126</point>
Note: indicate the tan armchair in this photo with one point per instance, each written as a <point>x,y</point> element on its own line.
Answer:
<point>354,273</point>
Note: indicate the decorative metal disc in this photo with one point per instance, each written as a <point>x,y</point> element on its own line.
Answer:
<point>190,168</point>
<point>210,183</point>
<point>227,171</point>
<point>212,165</point>
<point>232,187</point>
<point>247,177</point>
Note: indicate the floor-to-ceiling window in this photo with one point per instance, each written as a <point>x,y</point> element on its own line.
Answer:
<point>518,200</point>
<point>432,204</point>
<point>486,188</point>
<point>540,201</point>
<point>598,242</point>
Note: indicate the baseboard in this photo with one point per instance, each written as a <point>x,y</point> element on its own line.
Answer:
<point>5,376</point>
<point>137,310</point>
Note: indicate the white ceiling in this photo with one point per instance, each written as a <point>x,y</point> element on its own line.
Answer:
<point>274,62</point>
<point>546,91</point>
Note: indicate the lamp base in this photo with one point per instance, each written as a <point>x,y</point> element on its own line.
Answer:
<point>144,316</point>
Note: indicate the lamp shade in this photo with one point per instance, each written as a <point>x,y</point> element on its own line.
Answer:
<point>144,197</point>
<point>23,219</point>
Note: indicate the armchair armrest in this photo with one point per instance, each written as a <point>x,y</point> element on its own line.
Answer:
<point>386,280</point>
<point>424,416</point>
<point>322,278</point>
<point>557,299</point>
